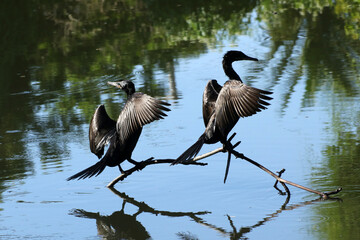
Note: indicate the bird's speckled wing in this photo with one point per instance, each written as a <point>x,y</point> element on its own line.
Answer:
<point>102,127</point>
<point>140,109</point>
<point>236,100</point>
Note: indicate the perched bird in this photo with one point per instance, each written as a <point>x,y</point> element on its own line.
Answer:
<point>122,135</point>
<point>224,105</point>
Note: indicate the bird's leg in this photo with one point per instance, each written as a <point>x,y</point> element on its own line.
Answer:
<point>139,165</point>
<point>121,170</point>
<point>123,206</point>
<point>133,161</point>
<point>227,143</point>
<point>227,146</point>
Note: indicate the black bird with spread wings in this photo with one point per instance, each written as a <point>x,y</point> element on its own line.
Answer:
<point>224,105</point>
<point>123,134</point>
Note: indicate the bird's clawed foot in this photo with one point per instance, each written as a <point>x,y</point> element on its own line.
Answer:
<point>138,165</point>
<point>228,146</point>
<point>142,164</point>
<point>133,161</point>
<point>123,172</point>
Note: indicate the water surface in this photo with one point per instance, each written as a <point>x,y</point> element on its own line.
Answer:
<point>57,58</point>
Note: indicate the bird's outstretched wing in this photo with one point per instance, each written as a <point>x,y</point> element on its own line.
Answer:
<point>140,109</point>
<point>210,96</point>
<point>236,100</point>
<point>102,127</point>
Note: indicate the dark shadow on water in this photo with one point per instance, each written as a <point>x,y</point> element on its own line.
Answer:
<point>126,226</point>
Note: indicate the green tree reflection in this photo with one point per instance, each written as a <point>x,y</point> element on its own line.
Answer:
<point>320,42</point>
<point>54,54</point>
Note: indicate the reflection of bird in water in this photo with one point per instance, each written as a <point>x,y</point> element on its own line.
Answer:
<point>122,135</point>
<point>118,225</point>
<point>223,106</point>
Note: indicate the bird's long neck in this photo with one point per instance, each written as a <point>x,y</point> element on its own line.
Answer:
<point>129,92</point>
<point>229,71</point>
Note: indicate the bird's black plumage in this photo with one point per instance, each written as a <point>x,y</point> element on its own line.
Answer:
<point>123,134</point>
<point>224,105</point>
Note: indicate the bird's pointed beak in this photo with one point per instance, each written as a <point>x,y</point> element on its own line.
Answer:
<point>115,84</point>
<point>250,58</point>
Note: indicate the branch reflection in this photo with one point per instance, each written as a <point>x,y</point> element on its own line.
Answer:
<point>126,226</point>
<point>239,234</point>
<point>120,225</point>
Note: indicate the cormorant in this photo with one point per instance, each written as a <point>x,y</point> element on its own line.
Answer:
<point>122,135</point>
<point>223,106</point>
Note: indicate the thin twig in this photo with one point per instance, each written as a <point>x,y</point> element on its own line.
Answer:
<point>242,156</point>
<point>323,195</point>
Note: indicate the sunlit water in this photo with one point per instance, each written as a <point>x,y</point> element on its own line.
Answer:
<point>310,129</point>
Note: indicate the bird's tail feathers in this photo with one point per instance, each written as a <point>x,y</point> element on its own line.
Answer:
<point>89,172</point>
<point>191,152</point>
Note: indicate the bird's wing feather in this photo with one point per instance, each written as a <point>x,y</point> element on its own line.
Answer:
<point>210,96</point>
<point>140,109</point>
<point>236,100</point>
<point>102,127</point>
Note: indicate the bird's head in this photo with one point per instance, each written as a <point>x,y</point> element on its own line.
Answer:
<point>233,55</point>
<point>125,85</point>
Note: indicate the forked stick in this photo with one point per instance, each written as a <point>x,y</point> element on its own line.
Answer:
<point>151,161</point>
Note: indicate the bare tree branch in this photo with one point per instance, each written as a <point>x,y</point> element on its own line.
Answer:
<point>226,148</point>
<point>151,161</point>
<point>323,195</point>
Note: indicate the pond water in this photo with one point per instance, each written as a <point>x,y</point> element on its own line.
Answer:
<point>57,58</point>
